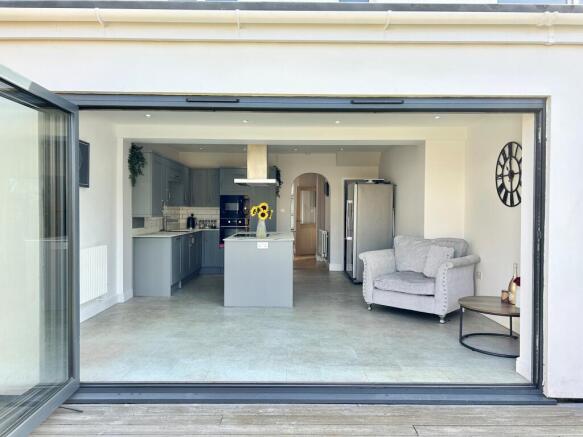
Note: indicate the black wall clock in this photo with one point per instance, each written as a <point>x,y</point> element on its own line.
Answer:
<point>509,174</point>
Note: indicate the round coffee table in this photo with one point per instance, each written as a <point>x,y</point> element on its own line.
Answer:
<point>487,305</point>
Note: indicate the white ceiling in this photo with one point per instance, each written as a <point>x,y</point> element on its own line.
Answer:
<point>202,146</point>
<point>284,132</point>
<point>294,119</point>
<point>251,121</point>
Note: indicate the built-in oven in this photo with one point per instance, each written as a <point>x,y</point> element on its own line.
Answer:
<point>234,207</point>
<point>234,215</point>
<point>230,226</point>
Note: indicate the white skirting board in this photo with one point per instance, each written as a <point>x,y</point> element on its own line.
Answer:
<point>96,306</point>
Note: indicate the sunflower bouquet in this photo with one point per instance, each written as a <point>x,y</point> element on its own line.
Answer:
<point>263,212</point>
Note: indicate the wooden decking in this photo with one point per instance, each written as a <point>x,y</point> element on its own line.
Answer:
<point>353,420</point>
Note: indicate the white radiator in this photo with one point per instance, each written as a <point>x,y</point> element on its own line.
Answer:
<point>323,244</point>
<point>93,273</point>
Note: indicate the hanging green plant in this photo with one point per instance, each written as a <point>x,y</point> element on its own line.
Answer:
<point>136,163</point>
<point>278,179</point>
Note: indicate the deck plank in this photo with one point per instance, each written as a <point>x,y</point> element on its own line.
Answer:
<point>355,420</point>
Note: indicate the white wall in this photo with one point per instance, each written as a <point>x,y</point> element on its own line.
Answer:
<point>444,188</point>
<point>293,165</point>
<point>436,61</point>
<point>98,204</point>
<point>491,228</point>
<point>404,166</point>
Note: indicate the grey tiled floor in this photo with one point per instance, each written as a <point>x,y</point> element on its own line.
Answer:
<point>329,336</point>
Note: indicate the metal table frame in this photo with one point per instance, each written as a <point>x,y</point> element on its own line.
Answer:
<point>463,337</point>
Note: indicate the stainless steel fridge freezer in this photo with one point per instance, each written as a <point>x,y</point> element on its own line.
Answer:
<point>369,222</point>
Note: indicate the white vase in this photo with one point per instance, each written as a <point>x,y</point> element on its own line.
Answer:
<point>261,229</point>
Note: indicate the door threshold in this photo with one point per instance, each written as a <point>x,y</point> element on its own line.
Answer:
<point>310,394</point>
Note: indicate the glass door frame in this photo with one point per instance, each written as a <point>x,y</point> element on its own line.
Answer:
<point>414,393</point>
<point>35,91</point>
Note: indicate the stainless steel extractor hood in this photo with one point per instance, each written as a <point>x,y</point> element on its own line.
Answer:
<point>256,168</point>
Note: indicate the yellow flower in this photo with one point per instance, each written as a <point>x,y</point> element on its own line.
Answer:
<point>264,206</point>
<point>263,215</point>
<point>253,211</point>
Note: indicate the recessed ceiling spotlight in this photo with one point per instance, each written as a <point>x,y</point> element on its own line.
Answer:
<point>295,149</point>
<point>202,148</point>
<point>437,117</point>
<point>148,115</point>
<point>342,148</point>
<point>337,122</point>
<point>245,121</point>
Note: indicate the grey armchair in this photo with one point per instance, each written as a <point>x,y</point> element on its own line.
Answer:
<point>394,277</point>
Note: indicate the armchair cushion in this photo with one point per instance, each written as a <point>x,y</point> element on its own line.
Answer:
<point>406,282</point>
<point>410,253</point>
<point>437,256</point>
<point>460,246</point>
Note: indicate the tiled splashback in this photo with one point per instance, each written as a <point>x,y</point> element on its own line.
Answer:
<point>183,212</point>
<point>151,224</point>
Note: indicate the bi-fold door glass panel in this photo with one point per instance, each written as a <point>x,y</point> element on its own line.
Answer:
<point>35,284</point>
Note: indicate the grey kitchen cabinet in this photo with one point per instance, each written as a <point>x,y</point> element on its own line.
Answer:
<point>212,254</point>
<point>176,259</point>
<point>197,186</point>
<point>185,242</point>
<point>164,183</point>
<point>197,251</point>
<point>186,191</point>
<point>194,253</point>
<point>149,193</point>
<point>204,187</point>
<point>159,186</point>
<point>162,262</point>
<point>154,261</point>
<point>226,177</point>
<point>175,179</point>
<point>213,182</point>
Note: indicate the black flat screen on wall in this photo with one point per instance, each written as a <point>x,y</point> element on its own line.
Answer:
<point>83,164</point>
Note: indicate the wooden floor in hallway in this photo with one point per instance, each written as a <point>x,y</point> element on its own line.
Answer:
<point>277,420</point>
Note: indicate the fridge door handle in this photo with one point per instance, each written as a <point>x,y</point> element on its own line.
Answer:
<point>349,212</point>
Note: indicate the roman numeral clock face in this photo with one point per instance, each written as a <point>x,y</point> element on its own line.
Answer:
<point>509,174</point>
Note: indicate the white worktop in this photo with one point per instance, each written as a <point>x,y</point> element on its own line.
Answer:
<point>171,234</point>
<point>271,236</point>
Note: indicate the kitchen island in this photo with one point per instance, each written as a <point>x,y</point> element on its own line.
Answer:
<point>259,271</point>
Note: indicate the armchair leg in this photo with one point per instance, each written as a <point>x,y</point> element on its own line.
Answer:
<point>370,307</point>
<point>442,319</point>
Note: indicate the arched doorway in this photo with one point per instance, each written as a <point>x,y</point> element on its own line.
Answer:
<point>310,220</point>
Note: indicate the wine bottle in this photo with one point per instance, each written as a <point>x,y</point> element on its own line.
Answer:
<point>512,286</point>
